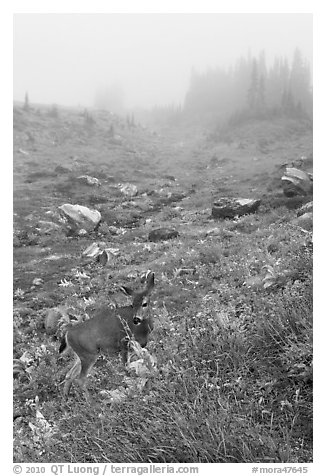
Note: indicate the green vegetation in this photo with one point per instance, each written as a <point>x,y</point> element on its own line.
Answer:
<point>232,302</point>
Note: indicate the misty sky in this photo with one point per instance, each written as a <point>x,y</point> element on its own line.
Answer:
<point>64,58</point>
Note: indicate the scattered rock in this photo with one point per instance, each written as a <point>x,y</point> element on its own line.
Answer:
<point>170,177</point>
<point>94,249</point>
<point>129,190</point>
<point>80,217</point>
<point>123,216</point>
<point>103,258</point>
<point>296,182</point>
<point>272,248</point>
<point>176,196</point>
<point>101,253</point>
<point>110,179</point>
<point>47,227</point>
<point>144,204</point>
<point>114,230</point>
<point>53,318</point>
<point>60,169</point>
<point>168,198</point>
<point>87,180</point>
<point>183,271</point>
<point>212,232</point>
<point>306,208</point>
<point>302,162</point>
<point>25,238</point>
<point>254,282</point>
<point>305,221</point>
<point>230,207</point>
<point>162,234</point>
<point>274,279</point>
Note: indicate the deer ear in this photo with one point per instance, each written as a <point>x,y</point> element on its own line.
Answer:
<point>150,280</point>
<point>126,290</point>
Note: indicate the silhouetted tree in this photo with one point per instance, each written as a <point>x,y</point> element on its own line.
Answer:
<point>26,106</point>
<point>261,92</point>
<point>253,88</point>
<point>300,80</point>
<point>250,85</point>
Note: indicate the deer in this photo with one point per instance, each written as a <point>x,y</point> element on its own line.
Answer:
<point>109,331</point>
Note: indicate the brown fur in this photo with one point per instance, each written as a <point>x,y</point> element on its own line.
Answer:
<point>108,331</point>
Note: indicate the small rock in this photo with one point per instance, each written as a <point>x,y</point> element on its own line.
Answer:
<point>254,282</point>
<point>87,180</point>
<point>272,248</point>
<point>93,250</point>
<point>306,208</point>
<point>162,234</point>
<point>60,169</point>
<point>53,319</point>
<point>231,207</point>
<point>183,271</point>
<point>128,189</point>
<point>305,221</point>
<point>103,258</point>
<point>114,230</point>
<point>171,197</point>
<point>100,252</point>
<point>212,232</point>
<point>170,177</point>
<point>47,227</point>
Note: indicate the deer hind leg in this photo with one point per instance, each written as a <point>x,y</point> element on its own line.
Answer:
<point>71,376</point>
<point>86,364</point>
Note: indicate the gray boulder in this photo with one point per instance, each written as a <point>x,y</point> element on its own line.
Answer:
<point>296,182</point>
<point>306,208</point>
<point>80,217</point>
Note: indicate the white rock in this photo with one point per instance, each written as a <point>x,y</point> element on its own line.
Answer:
<point>81,216</point>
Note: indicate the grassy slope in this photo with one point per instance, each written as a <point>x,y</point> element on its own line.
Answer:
<point>234,362</point>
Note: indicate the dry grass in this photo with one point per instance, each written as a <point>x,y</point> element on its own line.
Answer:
<point>234,363</point>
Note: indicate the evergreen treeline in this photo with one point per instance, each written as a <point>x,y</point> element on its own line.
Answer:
<point>251,88</point>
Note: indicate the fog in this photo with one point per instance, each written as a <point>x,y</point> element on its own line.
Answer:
<point>65,59</point>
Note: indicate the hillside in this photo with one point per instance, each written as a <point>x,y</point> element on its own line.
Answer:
<point>233,381</point>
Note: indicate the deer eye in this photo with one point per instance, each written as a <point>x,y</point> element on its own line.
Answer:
<point>145,304</point>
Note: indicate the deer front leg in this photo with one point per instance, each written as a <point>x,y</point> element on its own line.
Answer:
<point>124,350</point>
